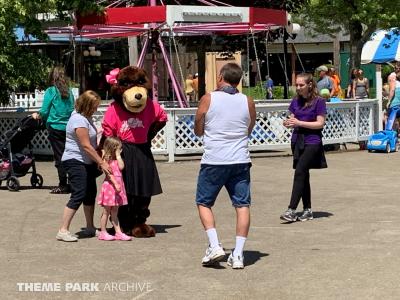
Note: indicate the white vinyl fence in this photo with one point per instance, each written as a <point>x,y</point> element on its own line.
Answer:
<point>21,101</point>
<point>349,121</point>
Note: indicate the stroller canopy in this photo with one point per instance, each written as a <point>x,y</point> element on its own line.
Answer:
<point>22,133</point>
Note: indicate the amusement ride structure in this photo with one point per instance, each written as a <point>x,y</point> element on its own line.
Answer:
<point>153,22</point>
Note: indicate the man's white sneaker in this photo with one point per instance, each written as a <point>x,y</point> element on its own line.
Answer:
<point>236,262</point>
<point>213,255</point>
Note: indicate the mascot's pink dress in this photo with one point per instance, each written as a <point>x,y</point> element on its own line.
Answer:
<point>108,195</point>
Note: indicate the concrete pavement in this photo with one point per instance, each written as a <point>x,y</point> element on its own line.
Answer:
<point>349,251</point>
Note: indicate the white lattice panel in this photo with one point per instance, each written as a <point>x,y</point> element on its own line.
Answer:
<point>184,133</point>
<point>178,136</point>
<point>269,129</point>
<point>364,129</point>
<point>340,124</point>
<point>159,143</point>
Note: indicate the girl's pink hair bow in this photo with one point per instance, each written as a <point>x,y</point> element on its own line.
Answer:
<point>112,77</point>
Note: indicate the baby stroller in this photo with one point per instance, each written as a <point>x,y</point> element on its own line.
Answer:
<point>16,154</point>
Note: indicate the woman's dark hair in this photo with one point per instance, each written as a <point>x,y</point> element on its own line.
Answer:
<point>58,78</point>
<point>312,91</point>
<point>352,75</point>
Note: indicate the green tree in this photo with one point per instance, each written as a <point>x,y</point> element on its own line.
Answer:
<point>359,18</point>
<point>20,66</point>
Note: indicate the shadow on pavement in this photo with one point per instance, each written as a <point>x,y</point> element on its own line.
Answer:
<point>27,187</point>
<point>251,257</point>
<point>321,214</point>
<point>217,265</point>
<point>163,228</point>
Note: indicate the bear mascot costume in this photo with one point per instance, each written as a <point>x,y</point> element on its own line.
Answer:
<point>135,119</point>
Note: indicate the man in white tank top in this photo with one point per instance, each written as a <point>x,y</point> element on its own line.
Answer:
<point>225,119</point>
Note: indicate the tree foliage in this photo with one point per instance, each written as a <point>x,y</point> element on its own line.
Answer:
<point>20,66</point>
<point>359,18</point>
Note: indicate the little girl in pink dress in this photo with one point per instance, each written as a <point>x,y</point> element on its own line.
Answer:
<point>112,194</point>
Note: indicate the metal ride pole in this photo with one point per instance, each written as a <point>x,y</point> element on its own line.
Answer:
<point>178,91</point>
<point>154,69</point>
<point>170,58</point>
<point>74,64</point>
<point>154,38</point>
<point>266,51</point>
<point>285,51</point>
<point>143,53</point>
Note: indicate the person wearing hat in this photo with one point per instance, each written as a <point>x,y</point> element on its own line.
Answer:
<point>324,81</point>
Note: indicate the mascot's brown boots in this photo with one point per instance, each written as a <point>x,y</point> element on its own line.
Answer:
<point>143,230</point>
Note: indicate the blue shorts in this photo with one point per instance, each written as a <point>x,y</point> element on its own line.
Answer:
<point>235,178</point>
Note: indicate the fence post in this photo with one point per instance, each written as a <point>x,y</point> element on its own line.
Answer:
<point>357,121</point>
<point>371,119</point>
<point>13,99</point>
<point>378,75</point>
<point>170,135</point>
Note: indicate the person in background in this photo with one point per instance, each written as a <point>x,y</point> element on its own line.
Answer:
<point>390,85</point>
<point>81,161</point>
<point>392,76</point>
<point>336,89</point>
<point>58,104</point>
<point>225,118</point>
<point>394,101</point>
<point>360,86</point>
<point>189,91</point>
<point>269,85</point>
<point>385,101</point>
<point>325,94</point>
<point>196,86</point>
<point>324,81</point>
<point>353,76</point>
<point>307,118</point>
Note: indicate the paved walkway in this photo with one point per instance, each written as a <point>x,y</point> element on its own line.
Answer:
<point>349,251</point>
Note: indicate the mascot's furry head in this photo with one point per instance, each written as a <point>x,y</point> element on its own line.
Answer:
<point>130,86</point>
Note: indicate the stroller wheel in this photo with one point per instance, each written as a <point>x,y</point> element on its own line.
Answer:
<point>37,180</point>
<point>13,183</point>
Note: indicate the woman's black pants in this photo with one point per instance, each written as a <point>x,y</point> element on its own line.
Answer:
<point>301,182</point>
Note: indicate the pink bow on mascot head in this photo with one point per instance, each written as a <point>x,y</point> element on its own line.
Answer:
<point>112,77</point>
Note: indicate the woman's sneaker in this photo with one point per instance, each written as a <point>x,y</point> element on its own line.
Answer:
<point>66,236</point>
<point>306,215</point>
<point>213,255</point>
<point>236,262</point>
<point>289,215</point>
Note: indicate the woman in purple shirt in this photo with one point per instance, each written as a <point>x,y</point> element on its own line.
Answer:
<point>307,118</point>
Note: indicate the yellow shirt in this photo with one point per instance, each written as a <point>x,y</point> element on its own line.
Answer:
<point>188,86</point>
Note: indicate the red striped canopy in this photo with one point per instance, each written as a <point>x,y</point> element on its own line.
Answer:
<point>181,19</point>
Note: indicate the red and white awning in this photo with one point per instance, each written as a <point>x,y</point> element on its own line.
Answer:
<point>181,19</point>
